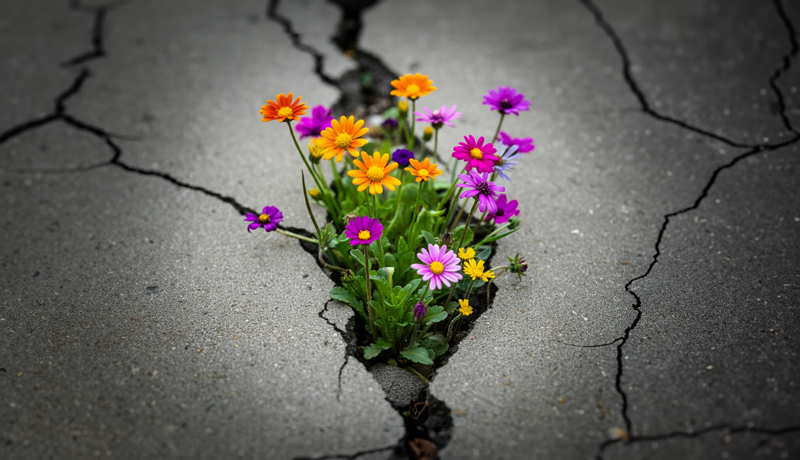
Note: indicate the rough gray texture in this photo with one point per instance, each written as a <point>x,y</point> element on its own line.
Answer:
<point>139,319</point>
<point>401,386</point>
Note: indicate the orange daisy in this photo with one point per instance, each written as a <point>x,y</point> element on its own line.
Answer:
<point>284,109</point>
<point>423,170</point>
<point>413,86</point>
<point>374,173</point>
<point>340,136</point>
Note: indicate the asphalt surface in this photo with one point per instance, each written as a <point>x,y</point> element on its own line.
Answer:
<point>659,318</point>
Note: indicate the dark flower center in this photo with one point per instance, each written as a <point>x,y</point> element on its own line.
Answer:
<point>500,212</point>
<point>484,189</point>
<point>505,104</point>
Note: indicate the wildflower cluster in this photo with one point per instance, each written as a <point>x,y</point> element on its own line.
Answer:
<point>410,255</point>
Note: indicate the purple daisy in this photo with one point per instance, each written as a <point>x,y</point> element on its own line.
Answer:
<point>439,266</point>
<point>525,144</point>
<point>486,191</point>
<point>363,230</point>
<point>420,310</point>
<point>401,156</point>
<point>477,154</point>
<point>319,120</point>
<point>269,218</point>
<point>440,117</point>
<point>505,100</point>
<point>506,159</point>
<point>505,210</point>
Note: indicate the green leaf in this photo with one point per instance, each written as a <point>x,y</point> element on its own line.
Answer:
<point>373,350</point>
<point>342,294</point>
<point>484,252</point>
<point>384,345</point>
<point>497,237</point>
<point>429,238</point>
<point>380,281</point>
<point>358,255</point>
<point>417,355</point>
<point>435,314</point>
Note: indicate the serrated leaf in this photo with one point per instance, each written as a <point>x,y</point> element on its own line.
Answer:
<point>372,351</point>
<point>342,294</point>
<point>418,355</point>
<point>383,344</point>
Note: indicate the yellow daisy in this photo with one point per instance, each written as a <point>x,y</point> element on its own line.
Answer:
<point>342,135</point>
<point>464,308</point>
<point>475,270</point>
<point>374,173</point>
<point>466,255</point>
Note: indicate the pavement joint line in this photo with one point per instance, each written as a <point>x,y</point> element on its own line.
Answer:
<point>753,149</point>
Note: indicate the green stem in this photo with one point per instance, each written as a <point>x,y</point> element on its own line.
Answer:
<point>399,189</point>
<point>308,205</point>
<point>502,115</point>
<point>295,235</point>
<point>435,142</point>
<point>415,210</point>
<point>483,217</point>
<point>413,124</point>
<point>300,151</point>
<point>414,371</point>
<point>337,179</point>
<point>369,295</point>
<point>466,226</point>
<point>458,216</point>
<point>450,327</point>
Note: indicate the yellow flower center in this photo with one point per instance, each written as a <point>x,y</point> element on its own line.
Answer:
<point>423,172</point>
<point>364,235</point>
<point>412,89</point>
<point>476,153</point>
<point>263,218</point>
<point>375,174</point>
<point>437,268</point>
<point>285,112</point>
<point>343,140</point>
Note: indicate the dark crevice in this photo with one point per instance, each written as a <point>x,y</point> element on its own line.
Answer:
<point>98,50</point>
<point>630,436</point>
<point>365,89</point>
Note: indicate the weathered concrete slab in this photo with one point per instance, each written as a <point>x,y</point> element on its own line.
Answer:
<point>111,275</point>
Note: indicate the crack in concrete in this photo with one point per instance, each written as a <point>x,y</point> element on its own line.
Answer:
<point>728,429</point>
<point>351,342</point>
<point>351,456</point>
<point>98,50</point>
<point>754,149</point>
<point>642,98</point>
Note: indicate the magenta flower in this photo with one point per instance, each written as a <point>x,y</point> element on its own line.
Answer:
<point>479,185</point>
<point>440,117</point>
<point>505,210</point>
<point>525,144</point>
<point>363,230</point>
<point>505,100</point>
<point>269,218</point>
<point>319,120</point>
<point>438,265</point>
<point>477,154</point>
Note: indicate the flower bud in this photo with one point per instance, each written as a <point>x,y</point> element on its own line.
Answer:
<point>427,134</point>
<point>390,124</point>
<point>403,107</point>
<point>447,239</point>
<point>314,193</point>
<point>420,311</point>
